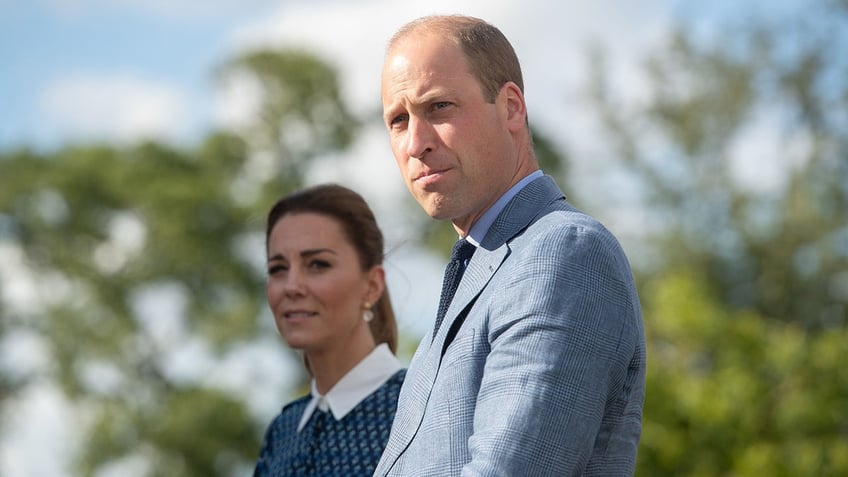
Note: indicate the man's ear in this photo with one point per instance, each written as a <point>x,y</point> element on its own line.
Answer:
<point>514,106</point>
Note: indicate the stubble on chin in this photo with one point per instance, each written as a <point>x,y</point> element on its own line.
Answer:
<point>427,201</point>
<point>436,206</point>
<point>431,208</point>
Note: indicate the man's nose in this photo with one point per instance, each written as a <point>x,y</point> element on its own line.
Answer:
<point>420,137</point>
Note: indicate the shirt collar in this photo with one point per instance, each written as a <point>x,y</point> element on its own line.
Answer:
<point>481,227</point>
<point>365,378</point>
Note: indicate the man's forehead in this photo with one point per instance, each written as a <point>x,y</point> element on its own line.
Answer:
<point>425,60</point>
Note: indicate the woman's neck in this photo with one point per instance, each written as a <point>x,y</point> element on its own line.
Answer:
<point>330,366</point>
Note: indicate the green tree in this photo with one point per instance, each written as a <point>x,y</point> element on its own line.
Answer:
<point>745,292</point>
<point>300,113</point>
<point>118,232</point>
<point>731,392</point>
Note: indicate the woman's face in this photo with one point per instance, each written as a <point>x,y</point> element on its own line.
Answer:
<point>316,286</point>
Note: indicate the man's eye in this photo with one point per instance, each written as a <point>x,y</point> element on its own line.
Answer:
<point>400,118</point>
<point>441,105</point>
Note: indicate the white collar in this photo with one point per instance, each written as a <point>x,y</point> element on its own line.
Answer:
<point>365,378</point>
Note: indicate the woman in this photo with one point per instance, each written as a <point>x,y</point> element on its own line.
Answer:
<point>326,289</point>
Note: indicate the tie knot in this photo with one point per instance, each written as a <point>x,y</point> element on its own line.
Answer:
<point>462,250</point>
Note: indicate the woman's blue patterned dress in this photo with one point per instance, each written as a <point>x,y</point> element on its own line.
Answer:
<point>325,447</point>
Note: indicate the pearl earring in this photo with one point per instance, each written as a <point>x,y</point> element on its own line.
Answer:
<point>367,314</point>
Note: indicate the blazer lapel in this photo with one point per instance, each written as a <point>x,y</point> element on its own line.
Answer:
<point>480,270</point>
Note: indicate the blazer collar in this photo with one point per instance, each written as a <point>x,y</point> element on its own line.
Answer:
<point>521,210</point>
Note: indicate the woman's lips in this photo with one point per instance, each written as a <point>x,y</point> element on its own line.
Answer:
<point>295,314</point>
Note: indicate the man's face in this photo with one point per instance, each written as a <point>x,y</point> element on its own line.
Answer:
<point>454,149</point>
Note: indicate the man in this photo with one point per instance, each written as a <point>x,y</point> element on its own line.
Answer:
<point>538,366</point>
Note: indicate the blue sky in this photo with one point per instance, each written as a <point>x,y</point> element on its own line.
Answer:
<point>45,42</point>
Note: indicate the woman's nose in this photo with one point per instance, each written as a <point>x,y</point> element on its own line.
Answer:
<point>293,285</point>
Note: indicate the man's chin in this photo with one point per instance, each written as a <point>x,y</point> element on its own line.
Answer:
<point>435,211</point>
<point>429,202</point>
<point>435,205</point>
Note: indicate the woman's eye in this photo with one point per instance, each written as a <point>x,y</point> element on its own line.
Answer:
<point>319,264</point>
<point>274,269</point>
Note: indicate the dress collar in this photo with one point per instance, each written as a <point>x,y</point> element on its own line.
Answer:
<point>365,378</point>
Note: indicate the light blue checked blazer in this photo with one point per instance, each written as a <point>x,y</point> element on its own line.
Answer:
<point>539,366</point>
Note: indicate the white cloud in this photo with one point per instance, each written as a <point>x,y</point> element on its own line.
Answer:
<point>114,106</point>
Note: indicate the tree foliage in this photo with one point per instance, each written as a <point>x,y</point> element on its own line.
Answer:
<point>100,224</point>
<point>120,235</point>
<point>300,113</point>
<point>732,392</point>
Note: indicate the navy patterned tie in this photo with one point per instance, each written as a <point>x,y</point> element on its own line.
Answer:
<point>461,253</point>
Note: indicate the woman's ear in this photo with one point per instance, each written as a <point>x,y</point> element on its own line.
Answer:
<point>376,278</point>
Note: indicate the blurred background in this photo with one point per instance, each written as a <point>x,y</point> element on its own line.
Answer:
<point>142,142</point>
